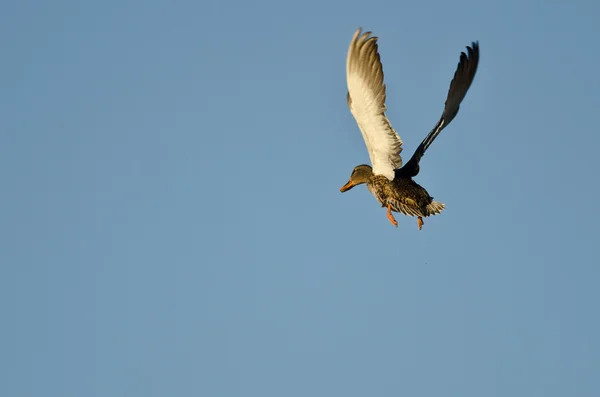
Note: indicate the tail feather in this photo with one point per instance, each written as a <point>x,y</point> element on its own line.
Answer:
<point>434,208</point>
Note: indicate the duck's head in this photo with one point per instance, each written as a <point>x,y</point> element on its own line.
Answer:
<point>360,174</point>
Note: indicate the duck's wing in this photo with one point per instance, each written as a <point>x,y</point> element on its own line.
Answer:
<point>463,77</point>
<point>366,100</point>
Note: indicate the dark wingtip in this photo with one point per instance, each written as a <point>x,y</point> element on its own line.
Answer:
<point>473,50</point>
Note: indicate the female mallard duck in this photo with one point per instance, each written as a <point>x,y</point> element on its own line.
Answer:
<point>389,181</point>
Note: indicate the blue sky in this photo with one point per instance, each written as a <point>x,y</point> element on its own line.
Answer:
<point>172,223</point>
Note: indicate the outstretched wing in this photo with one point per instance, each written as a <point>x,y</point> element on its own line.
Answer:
<point>463,77</point>
<point>366,100</point>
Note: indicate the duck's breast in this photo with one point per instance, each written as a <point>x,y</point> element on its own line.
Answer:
<point>381,188</point>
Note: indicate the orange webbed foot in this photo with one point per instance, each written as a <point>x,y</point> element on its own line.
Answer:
<point>420,222</point>
<point>390,216</point>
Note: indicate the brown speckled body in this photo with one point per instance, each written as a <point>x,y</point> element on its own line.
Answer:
<point>403,195</point>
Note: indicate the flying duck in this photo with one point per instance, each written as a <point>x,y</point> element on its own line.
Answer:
<point>386,178</point>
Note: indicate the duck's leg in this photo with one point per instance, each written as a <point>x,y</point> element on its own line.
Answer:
<point>390,216</point>
<point>420,222</point>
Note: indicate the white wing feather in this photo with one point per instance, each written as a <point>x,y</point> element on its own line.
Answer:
<point>366,100</point>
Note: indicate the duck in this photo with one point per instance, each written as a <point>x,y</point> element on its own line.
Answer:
<point>387,178</point>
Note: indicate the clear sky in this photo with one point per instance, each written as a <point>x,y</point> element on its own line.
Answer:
<point>171,221</point>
